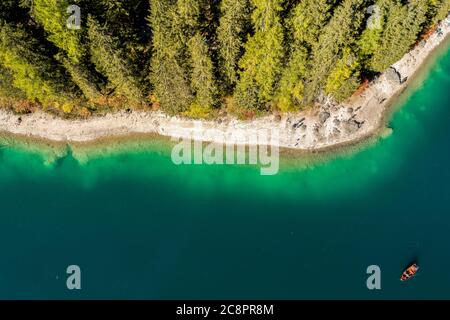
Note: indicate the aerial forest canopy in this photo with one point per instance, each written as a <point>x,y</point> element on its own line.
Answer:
<point>200,58</point>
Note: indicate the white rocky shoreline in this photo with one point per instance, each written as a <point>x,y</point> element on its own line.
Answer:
<point>330,125</point>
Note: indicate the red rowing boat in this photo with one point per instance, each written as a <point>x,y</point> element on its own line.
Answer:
<point>410,272</point>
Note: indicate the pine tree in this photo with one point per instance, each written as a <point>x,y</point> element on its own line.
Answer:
<point>198,63</point>
<point>262,61</point>
<point>182,68</point>
<point>404,23</point>
<point>305,23</point>
<point>308,19</point>
<point>440,9</point>
<point>168,77</point>
<point>202,78</point>
<point>52,15</point>
<point>187,17</point>
<point>192,53</point>
<point>126,20</point>
<point>344,78</point>
<point>338,34</point>
<point>370,39</point>
<point>32,70</point>
<point>231,33</point>
<point>7,88</point>
<point>109,59</point>
<point>85,78</point>
<point>291,88</point>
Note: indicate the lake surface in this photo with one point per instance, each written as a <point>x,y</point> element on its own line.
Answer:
<point>140,227</point>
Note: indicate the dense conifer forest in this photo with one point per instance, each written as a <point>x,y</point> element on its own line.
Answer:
<point>200,58</point>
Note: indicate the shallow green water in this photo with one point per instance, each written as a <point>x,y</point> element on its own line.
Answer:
<point>140,227</point>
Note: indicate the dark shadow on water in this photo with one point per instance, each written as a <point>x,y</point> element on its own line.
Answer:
<point>68,158</point>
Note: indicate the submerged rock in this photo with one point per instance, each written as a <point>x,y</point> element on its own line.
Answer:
<point>387,132</point>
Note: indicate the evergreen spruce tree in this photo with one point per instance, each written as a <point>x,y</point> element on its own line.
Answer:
<point>7,88</point>
<point>344,77</point>
<point>338,34</point>
<point>203,82</point>
<point>197,62</point>
<point>305,23</point>
<point>110,60</point>
<point>32,70</point>
<point>192,53</point>
<point>10,11</point>
<point>440,9</point>
<point>126,20</point>
<point>262,61</point>
<point>235,16</point>
<point>182,69</point>
<point>168,77</point>
<point>404,23</point>
<point>371,37</point>
<point>308,19</point>
<point>52,15</point>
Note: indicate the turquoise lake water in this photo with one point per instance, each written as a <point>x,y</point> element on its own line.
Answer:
<point>140,227</point>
